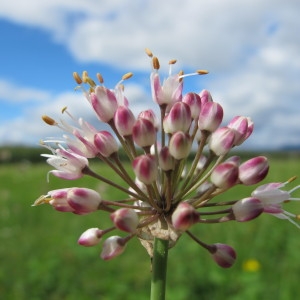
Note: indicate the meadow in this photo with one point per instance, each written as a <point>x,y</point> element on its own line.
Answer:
<point>40,258</point>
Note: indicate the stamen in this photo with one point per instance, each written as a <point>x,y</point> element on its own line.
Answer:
<point>155,63</point>
<point>77,78</point>
<point>49,120</point>
<point>148,52</point>
<point>64,109</point>
<point>292,179</point>
<point>202,72</point>
<point>172,61</point>
<point>100,78</point>
<point>127,76</point>
<point>198,72</point>
<point>84,76</point>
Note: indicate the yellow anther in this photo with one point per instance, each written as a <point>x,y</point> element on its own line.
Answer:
<point>155,63</point>
<point>202,72</point>
<point>41,200</point>
<point>292,179</point>
<point>64,109</point>
<point>127,76</point>
<point>77,78</point>
<point>180,74</point>
<point>148,52</point>
<point>48,120</point>
<point>100,78</point>
<point>91,82</point>
<point>84,76</point>
<point>298,217</point>
<point>172,61</point>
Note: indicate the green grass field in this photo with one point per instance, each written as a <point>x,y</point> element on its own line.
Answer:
<point>40,258</point>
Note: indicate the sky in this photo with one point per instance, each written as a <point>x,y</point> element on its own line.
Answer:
<point>251,49</point>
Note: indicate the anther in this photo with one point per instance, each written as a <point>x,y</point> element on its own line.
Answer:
<point>48,120</point>
<point>77,78</point>
<point>64,109</point>
<point>155,63</point>
<point>202,72</point>
<point>84,76</point>
<point>172,61</point>
<point>127,76</point>
<point>292,179</point>
<point>148,52</point>
<point>100,78</point>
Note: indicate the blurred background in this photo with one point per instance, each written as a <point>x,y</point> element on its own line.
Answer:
<point>252,52</point>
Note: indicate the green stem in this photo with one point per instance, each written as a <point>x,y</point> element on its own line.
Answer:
<point>159,269</point>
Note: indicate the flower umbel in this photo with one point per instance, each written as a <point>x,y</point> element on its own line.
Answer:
<point>178,158</point>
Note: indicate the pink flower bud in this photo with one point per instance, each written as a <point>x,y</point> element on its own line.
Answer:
<point>223,255</point>
<point>210,117</point>
<point>178,119</point>
<point>112,247</point>
<point>145,168</point>
<point>144,133</point>
<point>125,219</point>
<point>149,115</point>
<point>180,145</point>
<point>124,120</point>
<point>253,170</point>
<point>239,125</point>
<point>83,200</point>
<point>105,143</point>
<point>247,209</point>
<point>250,128</point>
<point>165,160</point>
<point>193,100</point>
<point>184,216</point>
<point>221,141</point>
<point>104,103</point>
<point>58,200</point>
<point>225,175</point>
<point>205,96</point>
<point>90,237</point>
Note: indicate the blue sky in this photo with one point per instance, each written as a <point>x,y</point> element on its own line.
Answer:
<point>251,49</point>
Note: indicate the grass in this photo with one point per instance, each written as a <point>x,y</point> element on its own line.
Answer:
<point>41,260</point>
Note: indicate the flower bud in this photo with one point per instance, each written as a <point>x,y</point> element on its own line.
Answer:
<point>145,168</point>
<point>184,216</point>
<point>83,200</point>
<point>223,255</point>
<point>144,133</point>
<point>105,143</point>
<point>58,200</point>
<point>221,141</point>
<point>125,219</point>
<point>124,120</point>
<point>239,125</point>
<point>205,96</point>
<point>210,116</point>
<point>178,119</point>
<point>253,170</point>
<point>180,145</point>
<point>193,100</point>
<point>247,209</point>
<point>112,247</point>
<point>104,103</point>
<point>149,115</point>
<point>165,160</point>
<point>90,237</point>
<point>225,175</point>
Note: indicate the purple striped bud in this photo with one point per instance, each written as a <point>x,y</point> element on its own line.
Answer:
<point>239,125</point>
<point>104,103</point>
<point>105,143</point>
<point>124,120</point>
<point>144,133</point>
<point>247,209</point>
<point>165,160</point>
<point>125,219</point>
<point>180,145</point>
<point>112,247</point>
<point>184,216</point>
<point>145,168</point>
<point>90,237</point>
<point>223,255</point>
<point>205,96</point>
<point>178,119</point>
<point>83,200</point>
<point>225,175</point>
<point>210,117</point>
<point>221,141</point>
<point>193,100</point>
<point>253,170</point>
<point>149,115</point>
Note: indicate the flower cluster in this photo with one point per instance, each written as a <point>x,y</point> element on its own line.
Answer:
<point>179,158</point>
